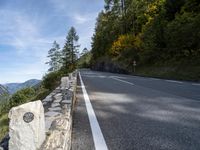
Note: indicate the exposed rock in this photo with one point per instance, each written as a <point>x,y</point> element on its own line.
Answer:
<point>55,109</point>
<point>4,143</point>
<point>27,130</point>
<point>55,104</point>
<point>52,114</point>
<point>59,137</point>
<point>64,83</point>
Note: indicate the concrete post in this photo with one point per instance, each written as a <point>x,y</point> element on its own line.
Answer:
<point>27,126</point>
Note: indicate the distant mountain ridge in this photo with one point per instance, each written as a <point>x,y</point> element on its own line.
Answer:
<point>3,90</point>
<point>14,87</point>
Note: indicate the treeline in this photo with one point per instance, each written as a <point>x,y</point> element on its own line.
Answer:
<point>150,32</point>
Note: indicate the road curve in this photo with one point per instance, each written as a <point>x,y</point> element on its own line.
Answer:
<point>137,113</point>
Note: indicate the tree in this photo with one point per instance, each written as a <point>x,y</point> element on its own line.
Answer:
<point>126,46</point>
<point>55,58</point>
<point>22,96</point>
<point>84,51</point>
<point>70,49</point>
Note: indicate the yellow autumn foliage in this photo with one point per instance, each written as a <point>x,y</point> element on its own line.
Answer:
<point>125,43</point>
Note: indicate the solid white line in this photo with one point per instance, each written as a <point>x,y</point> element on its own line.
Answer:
<point>123,81</point>
<point>173,81</point>
<point>99,141</point>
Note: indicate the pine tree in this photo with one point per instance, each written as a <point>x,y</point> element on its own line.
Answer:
<point>84,51</point>
<point>54,55</point>
<point>70,49</point>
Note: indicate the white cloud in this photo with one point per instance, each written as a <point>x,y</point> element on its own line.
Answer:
<point>23,34</point>
<point>80,19</point>
<point>31,35</point>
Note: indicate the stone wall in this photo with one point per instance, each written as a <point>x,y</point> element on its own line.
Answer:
<point>46,124</point>
<point>58,114</point>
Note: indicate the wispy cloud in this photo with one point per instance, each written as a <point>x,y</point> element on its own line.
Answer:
<point>27,32</point>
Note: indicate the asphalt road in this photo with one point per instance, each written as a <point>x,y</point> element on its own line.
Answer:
<point>137,113</point>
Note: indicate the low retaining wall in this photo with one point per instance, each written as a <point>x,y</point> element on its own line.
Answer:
<point>58,114</point>
<point>47,124</point>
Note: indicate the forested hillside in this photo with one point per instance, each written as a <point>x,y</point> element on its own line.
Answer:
<point>162,36</point>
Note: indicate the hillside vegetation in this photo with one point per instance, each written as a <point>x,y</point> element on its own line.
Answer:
<point>162,36</point>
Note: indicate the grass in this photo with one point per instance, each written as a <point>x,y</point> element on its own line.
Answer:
<point>179,72</point>
<point>3,125</point>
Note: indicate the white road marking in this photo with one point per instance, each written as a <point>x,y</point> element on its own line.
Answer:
<point>196,84</point>
<point>173,81</point>
<point>99,141</point>
<point>123,81</point>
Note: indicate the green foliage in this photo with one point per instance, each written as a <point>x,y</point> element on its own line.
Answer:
<point>126,46</point>
<point>70,49</point>
<point>186,45</point>
<point>84,60</point>
<point>55,57</point>
<point>167,32</point>
<point>3,125</point>
<point>21,96</point>
<point>51,80</point>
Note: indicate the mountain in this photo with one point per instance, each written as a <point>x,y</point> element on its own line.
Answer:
<point>14,87</point>
<point>3,90</point>
<point>4,94</point>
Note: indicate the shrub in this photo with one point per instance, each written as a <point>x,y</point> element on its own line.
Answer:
<point>22,96</point>
<point>51,80</point>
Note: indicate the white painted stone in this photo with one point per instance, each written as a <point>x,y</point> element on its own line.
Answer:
<point>26,136</point>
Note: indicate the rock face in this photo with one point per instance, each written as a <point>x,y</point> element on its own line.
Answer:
<point>27,126</point>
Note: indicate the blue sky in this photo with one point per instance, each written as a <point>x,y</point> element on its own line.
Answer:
<point>29,27</point>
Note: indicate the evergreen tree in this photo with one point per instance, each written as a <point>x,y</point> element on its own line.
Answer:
<point>84,51</point>
<point>55,57</point>
<point>70,49</point>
